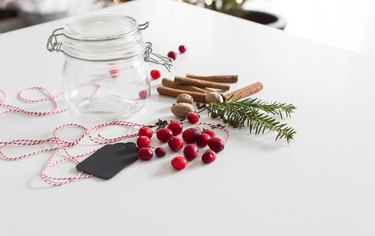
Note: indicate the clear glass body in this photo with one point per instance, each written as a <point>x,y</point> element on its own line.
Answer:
<point>106,90</point>
<point>105,75</point>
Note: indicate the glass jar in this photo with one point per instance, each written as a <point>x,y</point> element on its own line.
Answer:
<point>105,74</point>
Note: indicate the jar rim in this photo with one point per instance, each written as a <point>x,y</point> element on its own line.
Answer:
<point>102,38</point>
<point>100,27</point>
<point>82,40</point>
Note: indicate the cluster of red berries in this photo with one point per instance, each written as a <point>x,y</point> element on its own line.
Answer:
<point>155,74</point>
<point>173,54</point>
<point>192,138</point>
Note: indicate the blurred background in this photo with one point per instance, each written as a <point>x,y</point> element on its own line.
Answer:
<point>348,24</point>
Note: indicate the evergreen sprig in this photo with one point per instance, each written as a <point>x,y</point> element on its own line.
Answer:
<point>257,115</point>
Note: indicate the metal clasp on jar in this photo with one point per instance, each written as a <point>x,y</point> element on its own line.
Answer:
<point>53,45</point>
<point>157,58</point>
<point>143,26</point>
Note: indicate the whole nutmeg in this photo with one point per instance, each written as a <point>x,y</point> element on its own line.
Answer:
<point>213,97</point>
<point>184,98</point>
<point>182,109</point>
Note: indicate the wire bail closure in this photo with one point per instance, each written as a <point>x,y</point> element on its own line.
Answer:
<point>143,26</point>
<point>53,45</point>
<point>157,58</point>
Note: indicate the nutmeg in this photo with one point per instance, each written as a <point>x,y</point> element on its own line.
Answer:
<point>184,98</point>
<point>182,109</point>
<point>213,97</point>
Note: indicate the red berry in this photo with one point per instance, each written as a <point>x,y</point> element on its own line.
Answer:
<point>143,94</point>
<point>203,139</point>
<point>182,49</point>
<point>175,143</point>
<point>143,141</point>
<point>192,117</point>
<point>209,132</point>
<point>145,154</point>
<point>164,134</point>
<point>145,131</point>
<point>176,127</point>
<point>160,152</point>
<point>191,152</point>
<point>178,163</point>
<point>114,73</point>
<point>190,135</point>
<point>216,144</point>
<point>155,74</point>
<point>172,55</point>
<point>208,156</point>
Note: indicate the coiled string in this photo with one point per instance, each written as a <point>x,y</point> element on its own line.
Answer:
<point>58,145</point>
<point>61,147</point>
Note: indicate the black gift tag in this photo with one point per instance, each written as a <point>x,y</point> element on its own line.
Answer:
<point>109,160</point>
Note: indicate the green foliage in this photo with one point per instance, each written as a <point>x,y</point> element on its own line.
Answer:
<point>257,115</point>
<point>225,5</point>
<point>231,4</point>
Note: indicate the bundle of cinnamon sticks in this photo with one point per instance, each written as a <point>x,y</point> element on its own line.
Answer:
<point>198,87</point>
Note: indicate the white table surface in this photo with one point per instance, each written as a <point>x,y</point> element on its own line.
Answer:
<point>323,183</point>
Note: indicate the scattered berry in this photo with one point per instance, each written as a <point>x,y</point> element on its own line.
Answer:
<point>216,144</point>
<point>192,117</point>
<point>160,152</point>
<point>145,154</point>
<point>176,127</point>
<point>175,143</point>
<point>172,55</point>
<point>190,135</point>
<point>178,163</point>
<point>208,156</point>
<point>191,152</point>
<point>145,131</point>
<point>143,141</point>
<point>203,139</point>
<point>182,49</point>
<point>155,74</point>
<point>113,70</point>
<point>209,132</point>
<point>114,73</point>
<point>164,134</point>
<point>143,94</point>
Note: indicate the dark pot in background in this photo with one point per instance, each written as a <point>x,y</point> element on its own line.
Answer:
<point>33,18</point>
<point>260,17</point>
<point>6,14</point>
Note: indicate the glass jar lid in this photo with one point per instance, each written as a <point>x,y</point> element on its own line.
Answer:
<point>104,38</point>
<point>97,28</point>
<point>99,38</point>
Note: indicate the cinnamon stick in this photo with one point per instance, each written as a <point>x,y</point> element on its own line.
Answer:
<point>201,83</point>
<point>207,90</point>
<point>215,78</point>
<point>198,97</point>
<point>171,84</point>
<point>244,92</point>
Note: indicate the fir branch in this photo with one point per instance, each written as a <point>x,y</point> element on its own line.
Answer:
<point>274,108</point>
<point>257,115</point>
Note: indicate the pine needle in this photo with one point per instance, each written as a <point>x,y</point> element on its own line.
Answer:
<point>259,116</point>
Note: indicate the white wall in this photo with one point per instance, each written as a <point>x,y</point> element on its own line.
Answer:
<point>348,24</point>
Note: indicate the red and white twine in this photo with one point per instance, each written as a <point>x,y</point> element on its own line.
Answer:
<point>48,97</point>
<point>60,147</point>
<point>213,126</point>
